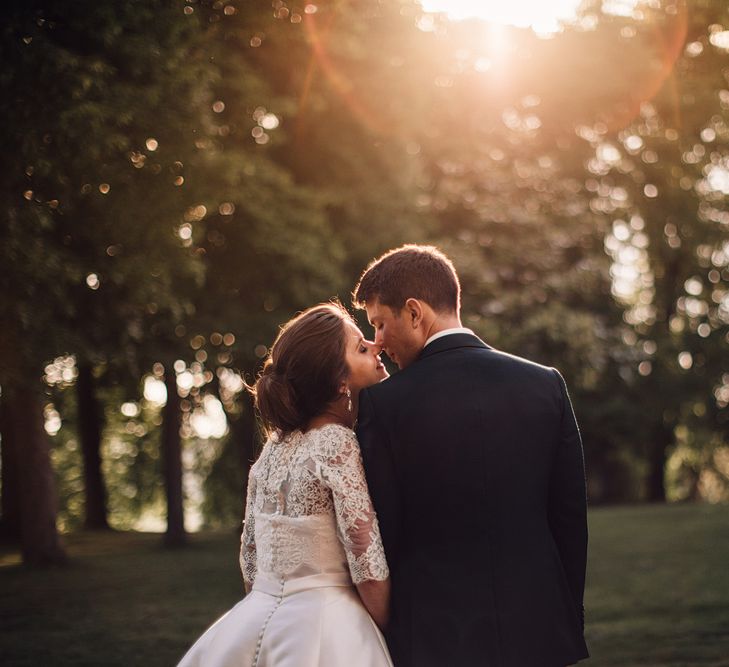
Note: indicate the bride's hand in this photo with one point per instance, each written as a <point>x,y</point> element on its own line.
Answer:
<point>375,596</point>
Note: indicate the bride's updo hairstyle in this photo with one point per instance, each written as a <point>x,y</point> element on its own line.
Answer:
<point>304,370</point>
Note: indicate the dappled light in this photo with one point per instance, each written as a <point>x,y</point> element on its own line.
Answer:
<point>155,391</point>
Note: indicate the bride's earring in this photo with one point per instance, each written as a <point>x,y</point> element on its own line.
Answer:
<point>349,399</point>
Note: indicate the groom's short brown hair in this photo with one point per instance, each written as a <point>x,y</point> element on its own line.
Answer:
<point>411,272</point>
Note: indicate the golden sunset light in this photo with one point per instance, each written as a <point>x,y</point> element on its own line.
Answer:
<point>543,17</point>
<point>342,322</point>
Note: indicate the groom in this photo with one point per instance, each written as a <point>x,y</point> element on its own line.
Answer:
<point>475,467</point>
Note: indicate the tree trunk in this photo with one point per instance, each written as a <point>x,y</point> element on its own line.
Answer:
<point>40,544</point>
<point>10,499</point>
<point>172,463</point>
<point>655,481</point>
<point>90,420</point>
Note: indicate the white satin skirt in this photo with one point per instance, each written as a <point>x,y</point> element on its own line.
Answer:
<point>316,621</point>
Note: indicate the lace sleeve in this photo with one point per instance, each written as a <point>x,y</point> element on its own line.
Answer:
<point>248,537</point>
<point>359,532</point>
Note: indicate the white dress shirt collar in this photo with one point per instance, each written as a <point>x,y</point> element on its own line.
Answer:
<point>448,332</point>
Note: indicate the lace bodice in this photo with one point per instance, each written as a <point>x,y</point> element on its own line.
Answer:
<point>308,509</point>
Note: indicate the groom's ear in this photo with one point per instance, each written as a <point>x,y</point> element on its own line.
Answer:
<point>414,312</point>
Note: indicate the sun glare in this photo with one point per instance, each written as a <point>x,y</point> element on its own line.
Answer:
<point>541,16</point>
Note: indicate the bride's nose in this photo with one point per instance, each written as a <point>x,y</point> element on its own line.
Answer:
<point>375,348</point>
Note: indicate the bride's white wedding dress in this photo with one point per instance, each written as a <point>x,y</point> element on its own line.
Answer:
<point>310,532</point>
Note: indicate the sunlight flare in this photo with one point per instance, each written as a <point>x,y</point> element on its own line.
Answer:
<point>543,17</point>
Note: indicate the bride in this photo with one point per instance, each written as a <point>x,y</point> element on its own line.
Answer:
<point>311,553</point>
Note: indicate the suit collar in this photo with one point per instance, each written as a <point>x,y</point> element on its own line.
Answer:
<point>452,342</point>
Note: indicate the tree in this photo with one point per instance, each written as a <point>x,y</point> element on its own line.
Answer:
<point>10,500</point>
<point>663,183</point>
<point>93,195</point>
<point>90,419</point>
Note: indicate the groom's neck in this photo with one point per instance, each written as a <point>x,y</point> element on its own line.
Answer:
<point>442,322</point>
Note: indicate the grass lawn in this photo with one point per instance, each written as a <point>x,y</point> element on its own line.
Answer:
<point>658,586</point>
<point>658,594</point>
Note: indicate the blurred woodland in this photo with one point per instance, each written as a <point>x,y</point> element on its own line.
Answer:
<point>179,178</point>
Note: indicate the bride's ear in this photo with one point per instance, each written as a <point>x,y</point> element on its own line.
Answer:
<point>414,311</point>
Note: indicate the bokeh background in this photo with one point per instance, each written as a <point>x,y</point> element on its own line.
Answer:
<point>180,178</point>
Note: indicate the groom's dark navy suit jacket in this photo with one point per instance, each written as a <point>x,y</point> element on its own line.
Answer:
<point>475,466</point>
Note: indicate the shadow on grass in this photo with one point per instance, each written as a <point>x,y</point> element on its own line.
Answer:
<point>123,599</point>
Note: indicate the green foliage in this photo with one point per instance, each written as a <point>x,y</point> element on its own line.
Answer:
<point>657,184</point>
<point>130,460</point>
<point>101,122</point>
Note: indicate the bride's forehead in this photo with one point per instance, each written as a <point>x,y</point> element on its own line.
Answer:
<point>353,330</point>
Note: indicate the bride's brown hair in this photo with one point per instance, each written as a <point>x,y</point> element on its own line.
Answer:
<point>304,370</point>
